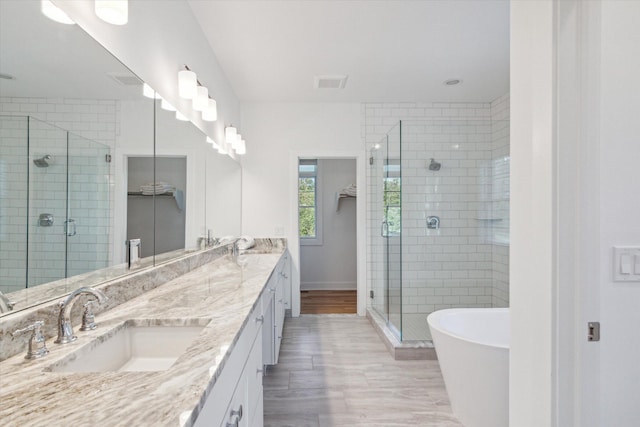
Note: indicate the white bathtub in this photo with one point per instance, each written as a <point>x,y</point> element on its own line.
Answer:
<point>472,345</point>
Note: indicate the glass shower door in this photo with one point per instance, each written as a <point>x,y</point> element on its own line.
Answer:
<point>392,220</point>
<point>87,221</point>
<point>47,203</point>
<point>386,229</point>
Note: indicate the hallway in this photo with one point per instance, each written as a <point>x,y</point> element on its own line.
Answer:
<point>335,371</point>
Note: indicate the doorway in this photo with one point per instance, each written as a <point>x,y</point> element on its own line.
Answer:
<point>327,230</point>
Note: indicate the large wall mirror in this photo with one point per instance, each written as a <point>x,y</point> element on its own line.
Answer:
<point>87,163</point>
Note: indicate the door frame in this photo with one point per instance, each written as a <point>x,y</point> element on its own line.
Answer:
<point>361,238</point>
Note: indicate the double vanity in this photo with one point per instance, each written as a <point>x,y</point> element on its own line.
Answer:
<point>189,352</point>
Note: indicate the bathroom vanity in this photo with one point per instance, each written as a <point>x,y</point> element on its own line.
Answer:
<point>232,310</point>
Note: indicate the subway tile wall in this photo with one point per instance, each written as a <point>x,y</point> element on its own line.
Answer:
<point>453,266</point>
<point>90,182</point>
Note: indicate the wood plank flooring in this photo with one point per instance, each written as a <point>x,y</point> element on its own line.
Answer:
<point>335,372</point>
<point>326,302</point>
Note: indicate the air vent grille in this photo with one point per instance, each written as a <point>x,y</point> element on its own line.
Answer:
<point>125,79</point>
<point>330,82</point>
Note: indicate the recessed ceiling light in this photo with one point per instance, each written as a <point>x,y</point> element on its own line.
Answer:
<point>452,82</point>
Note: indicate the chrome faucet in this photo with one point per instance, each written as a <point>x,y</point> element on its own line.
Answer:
<point>65,330</point>
<point>5,303</point>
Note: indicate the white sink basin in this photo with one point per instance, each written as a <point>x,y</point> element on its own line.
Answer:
<point>132,346</point>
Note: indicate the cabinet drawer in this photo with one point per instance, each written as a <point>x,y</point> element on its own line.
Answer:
<point>214,411</point>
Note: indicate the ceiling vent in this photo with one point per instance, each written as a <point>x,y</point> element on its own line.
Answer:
<point>125,79</point>
<point>330,82</point>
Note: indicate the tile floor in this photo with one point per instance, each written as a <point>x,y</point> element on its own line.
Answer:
<point>334,371</point>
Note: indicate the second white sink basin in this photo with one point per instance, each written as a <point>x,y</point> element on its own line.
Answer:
<point>132,346</point>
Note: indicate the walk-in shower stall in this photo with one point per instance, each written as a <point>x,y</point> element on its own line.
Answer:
<point>438,220</point>
<point>55,211</point>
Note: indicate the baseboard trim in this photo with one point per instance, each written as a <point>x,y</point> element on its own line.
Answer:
<point>328,286</point>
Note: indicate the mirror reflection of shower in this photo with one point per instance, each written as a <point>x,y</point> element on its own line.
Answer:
<point>44,161</point>
<point>434,166</point>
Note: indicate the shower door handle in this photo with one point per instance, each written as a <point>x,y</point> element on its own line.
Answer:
<point>384,229</point>
<point>70,227</point>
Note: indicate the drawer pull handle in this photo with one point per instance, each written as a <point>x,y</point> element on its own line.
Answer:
<point>234,424</point>
<point>272,289</point>
<point>260,319</point>
<point>280,301</point>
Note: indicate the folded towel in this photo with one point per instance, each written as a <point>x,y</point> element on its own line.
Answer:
<point>156,188</point>
<point>350,190</point>
<point>246,242</point>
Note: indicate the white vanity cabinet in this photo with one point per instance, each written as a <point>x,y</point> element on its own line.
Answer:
<point>274,310</point>
<point>236,399</point>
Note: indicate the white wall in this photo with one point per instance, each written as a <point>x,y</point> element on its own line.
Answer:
<point>576,192</point>
<point>532,250</point>
<point>279,133</point>
<point>332,265</point>
<point>619,210</point>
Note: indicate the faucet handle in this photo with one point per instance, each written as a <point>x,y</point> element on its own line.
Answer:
<point>37,344</point>
<point>88,318</point>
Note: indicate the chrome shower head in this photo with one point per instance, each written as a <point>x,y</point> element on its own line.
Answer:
<point>43,161</point>
<point>434,166</point>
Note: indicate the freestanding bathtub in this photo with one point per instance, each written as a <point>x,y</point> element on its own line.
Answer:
<point>472,345</point>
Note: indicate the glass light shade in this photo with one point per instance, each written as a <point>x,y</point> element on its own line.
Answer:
<point>210,114</point>
<point>236,141</point>
<point>187,84</point>
<point>201,101</point>
<point>114,12</point>
<point>181,117</point>
<point>242,148</point>
<point>54,13</point>
<point>230,134</point>
<point>164,104</point>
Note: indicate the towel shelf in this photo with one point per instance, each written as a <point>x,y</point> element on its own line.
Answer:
<point>339,197</point>
<point>139,193</point>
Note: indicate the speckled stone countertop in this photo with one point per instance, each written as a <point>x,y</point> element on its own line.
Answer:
<point>219,294</point>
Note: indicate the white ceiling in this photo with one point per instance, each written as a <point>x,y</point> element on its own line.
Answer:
<point>392,50</point>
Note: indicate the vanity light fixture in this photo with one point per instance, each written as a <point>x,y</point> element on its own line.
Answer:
<point>230,135</point>
<point>210,114</point>
<point>164,104</point>
<point>187,83</point>
<point>114,12</point>
<point>149,92</point>
<point>237,141</point>
<point>242,148</point>
<point>54,13</point>
<point>201,101</point>
<point>181,117</point>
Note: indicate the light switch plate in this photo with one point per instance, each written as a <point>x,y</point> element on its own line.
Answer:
<point>625,255</point>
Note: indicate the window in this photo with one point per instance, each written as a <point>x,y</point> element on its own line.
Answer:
<point>392,198</point>
<point>308,203</point>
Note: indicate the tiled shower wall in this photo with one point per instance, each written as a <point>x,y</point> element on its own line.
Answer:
<point>96,120</point>
<point>460,264</point>
<point>500,200</point>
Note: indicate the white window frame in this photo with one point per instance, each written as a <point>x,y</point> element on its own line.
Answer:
<point>317,240</point>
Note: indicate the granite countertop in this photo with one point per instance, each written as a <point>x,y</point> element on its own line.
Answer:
<point>219,294</point>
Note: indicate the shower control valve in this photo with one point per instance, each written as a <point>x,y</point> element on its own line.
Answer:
<point>433,222</point>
